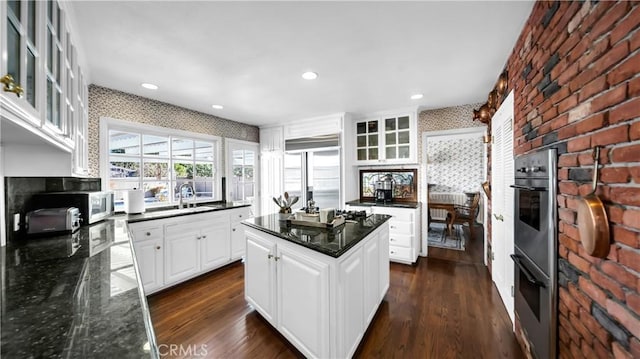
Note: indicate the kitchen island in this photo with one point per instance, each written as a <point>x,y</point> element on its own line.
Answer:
<point>320,288</point>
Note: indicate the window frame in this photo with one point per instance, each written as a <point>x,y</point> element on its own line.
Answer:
<point>108,124</point>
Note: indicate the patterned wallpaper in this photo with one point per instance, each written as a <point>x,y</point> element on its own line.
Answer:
<point>455,164</point>
<point>104,102</point>
<point>446,119</point>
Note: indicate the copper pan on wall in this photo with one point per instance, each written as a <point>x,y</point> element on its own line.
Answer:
<point>593,223</point>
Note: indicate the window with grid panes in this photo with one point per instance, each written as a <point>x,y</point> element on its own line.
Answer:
<point>159,163</point>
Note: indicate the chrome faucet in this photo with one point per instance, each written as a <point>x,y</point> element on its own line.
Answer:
<point>181,199</point>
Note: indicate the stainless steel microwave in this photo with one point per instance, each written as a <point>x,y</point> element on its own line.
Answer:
<point>93,206</point>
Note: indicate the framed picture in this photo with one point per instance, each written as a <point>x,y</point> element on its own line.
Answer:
<point>405,184</point>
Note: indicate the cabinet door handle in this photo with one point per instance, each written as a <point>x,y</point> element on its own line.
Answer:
<point>240,215</point>
<point>269,256</point>
<point>148,234</point>
<point>158,247</point>
<point>393,252</point>
<point>392,227</point>
<point>276,258</point>
<point>203,237</point>
<point>233,229</point>
<point>499,217</point>
<point>392,240</point>
<point>198,237</point>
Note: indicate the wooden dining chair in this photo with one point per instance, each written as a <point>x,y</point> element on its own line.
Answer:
<point>467,213</point>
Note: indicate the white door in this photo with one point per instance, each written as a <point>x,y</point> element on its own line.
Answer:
<point>372,277</point>
<point>260,277</point>
<point>149,257</point>
<point>303,301</point>
<point>502,202</point>
<point>215,244</point>
<point>352,310</point>
<point>243,173</point>
<point>181,252</point>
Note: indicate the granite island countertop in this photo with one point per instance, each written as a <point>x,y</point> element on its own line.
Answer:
<point>391,204</point>
<point>332,242</point>
<point>78,295</point>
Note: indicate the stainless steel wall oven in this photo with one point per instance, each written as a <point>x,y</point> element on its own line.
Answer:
<point>535,250</point>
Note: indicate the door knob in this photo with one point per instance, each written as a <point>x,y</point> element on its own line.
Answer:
<point>499,217</point>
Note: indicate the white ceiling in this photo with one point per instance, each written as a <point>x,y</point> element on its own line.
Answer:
<point>249,56</point>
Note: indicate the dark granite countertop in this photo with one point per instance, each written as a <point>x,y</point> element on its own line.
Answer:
<point>74,296</point>
<point>357,202</point>
<point>174,212</point>
<point>333,242</point>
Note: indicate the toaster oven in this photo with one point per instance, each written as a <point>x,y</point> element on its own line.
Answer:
<point>53,220</point>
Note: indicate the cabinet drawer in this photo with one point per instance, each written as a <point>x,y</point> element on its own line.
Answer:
<point>400,253</point>
<point>400,240</point>
<point>240,214</point>
<point>400,227</point>
<point>141,234</point>
<point>399,214</point>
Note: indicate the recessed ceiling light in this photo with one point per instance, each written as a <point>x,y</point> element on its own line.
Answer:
<point>416,96</point>
<point>150,86</point>
<point>309,75</point>
<point>217,107</point>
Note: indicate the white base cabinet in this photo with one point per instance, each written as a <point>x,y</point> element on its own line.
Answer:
<point>322,305</point>
<point>404,231</point>
<point>237,230</point>
<point>171,250</point>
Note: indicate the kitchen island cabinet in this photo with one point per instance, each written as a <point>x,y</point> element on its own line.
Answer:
<point>320,288</point>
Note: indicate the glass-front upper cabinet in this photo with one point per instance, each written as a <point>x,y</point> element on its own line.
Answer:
<point>20,69</point>
<point>388,139</point>
<point>55,68</point>
<point>41,78</point>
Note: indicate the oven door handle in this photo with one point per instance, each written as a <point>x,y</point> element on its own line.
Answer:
<point>529,188</point>
<point>530,278</point>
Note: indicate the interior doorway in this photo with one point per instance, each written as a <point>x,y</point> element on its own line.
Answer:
<point>454,165</point>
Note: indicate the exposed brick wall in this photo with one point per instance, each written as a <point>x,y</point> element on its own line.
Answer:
<point>575,71</point>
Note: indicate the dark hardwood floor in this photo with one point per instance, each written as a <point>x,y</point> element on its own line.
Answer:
<point>474,249</point>
<point>438,308</point>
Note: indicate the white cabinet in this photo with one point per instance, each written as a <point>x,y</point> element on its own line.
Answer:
<point>40,63</point>
<point>260,275</point>
<point>171,250</point>
<point>237,231</point>
<point>372,266</point>
<point>215,242</point>
<point>181,253</point>
<point>303,300</point>
<point>271,139</point>
<point>356,303</point>
<point>318,126</point>
<point>148,245</point>
<point>404,231</point>
<point>201,243</point>
<point>321,304</point>
<point>271,185</point>
<point>387,139</point>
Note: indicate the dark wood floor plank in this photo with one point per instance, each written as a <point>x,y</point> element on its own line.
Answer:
<point>438,308</point>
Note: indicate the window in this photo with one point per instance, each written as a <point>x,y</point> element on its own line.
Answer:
<point>159,160</point>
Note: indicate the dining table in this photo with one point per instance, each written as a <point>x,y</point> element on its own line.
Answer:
<point>451,210</point>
